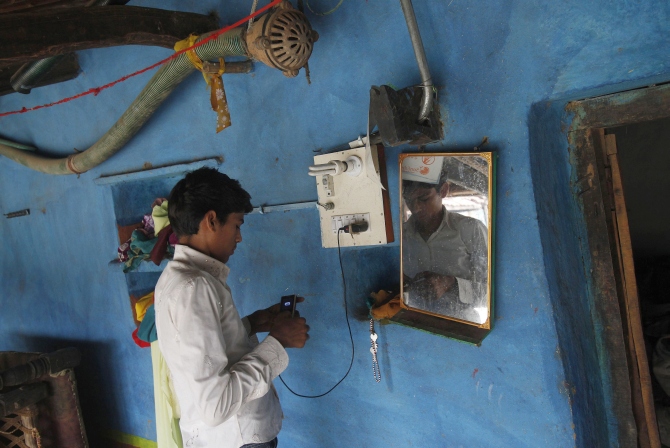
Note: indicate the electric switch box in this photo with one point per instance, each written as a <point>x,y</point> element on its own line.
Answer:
<point>359,199</point>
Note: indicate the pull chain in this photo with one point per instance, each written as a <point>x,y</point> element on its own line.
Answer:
<point>373,349</point>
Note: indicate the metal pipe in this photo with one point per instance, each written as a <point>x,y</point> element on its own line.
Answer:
<point>264,209</point>
<point>16,145</point>
<point>30,73</point>
<point>426,80</point>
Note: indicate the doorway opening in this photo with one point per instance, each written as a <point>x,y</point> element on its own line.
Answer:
<point>622,152</point>
<point>643,153</point>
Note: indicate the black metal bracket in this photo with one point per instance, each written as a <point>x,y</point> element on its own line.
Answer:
<point>395,113</point>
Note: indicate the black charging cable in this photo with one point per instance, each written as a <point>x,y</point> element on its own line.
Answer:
<point>346,229</point>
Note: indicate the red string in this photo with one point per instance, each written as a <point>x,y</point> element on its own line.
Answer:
<point>96,90</point>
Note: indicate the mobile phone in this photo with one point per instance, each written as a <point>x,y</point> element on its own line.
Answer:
<point>287,303</point>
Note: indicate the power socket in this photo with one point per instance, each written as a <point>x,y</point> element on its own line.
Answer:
<point>337,222</point>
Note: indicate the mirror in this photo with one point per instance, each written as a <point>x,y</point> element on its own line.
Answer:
<point>446,205</point>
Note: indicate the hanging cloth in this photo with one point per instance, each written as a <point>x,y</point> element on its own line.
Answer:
<point>142,304</point>
<point>212,73</point>
<point>383,305</point>
<point>159,215</point>
<point>167,407</point>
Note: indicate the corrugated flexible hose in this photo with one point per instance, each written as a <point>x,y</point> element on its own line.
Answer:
<point>152,96</point>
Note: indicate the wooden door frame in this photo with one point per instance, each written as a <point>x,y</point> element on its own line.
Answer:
<point>590,118</point>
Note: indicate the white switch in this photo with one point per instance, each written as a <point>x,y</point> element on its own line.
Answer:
<point>327,182</point>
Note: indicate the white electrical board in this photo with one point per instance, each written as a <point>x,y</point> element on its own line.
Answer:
<point>354,199</point>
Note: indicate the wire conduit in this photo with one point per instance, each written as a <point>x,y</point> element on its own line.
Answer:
<point>417,45</point>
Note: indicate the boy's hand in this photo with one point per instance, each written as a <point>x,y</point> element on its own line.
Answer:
<point>261,321</point>
<point>440,284</point>
<point>291,332</point>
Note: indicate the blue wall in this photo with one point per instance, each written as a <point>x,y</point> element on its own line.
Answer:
<point>492,61</point>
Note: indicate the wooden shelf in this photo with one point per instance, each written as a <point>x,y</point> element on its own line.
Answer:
<point>152,173</point>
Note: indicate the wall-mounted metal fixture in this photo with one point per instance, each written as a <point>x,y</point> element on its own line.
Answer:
<point>283,39</point>
<point>394,113</point>
<point>16,214</point>
<point>409,115</point>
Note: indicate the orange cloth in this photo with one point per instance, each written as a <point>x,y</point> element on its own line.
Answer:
<point>383,308</point>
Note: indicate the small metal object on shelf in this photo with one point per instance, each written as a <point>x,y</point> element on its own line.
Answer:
<point>16,214</point>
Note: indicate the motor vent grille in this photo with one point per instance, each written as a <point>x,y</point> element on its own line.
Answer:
<point>291,40</point>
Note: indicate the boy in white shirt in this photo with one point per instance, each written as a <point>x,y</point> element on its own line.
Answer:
<point>222,375</point>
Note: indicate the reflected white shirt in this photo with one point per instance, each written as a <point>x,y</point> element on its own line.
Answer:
<point>222,377</point>
<point>457,248</point>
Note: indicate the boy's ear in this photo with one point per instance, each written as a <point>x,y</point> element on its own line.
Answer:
<point>209,221</point>
<point>444,190</point>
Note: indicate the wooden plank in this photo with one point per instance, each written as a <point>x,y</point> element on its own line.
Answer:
<point>610,236</point>
<point>30,36</point>
<point>600,267</point>
<point>386,200</point>
<point>10,6</point>
<point>16,399</point>
<point>633,370</point>
<point>647,427</point>
<point>622,108</point>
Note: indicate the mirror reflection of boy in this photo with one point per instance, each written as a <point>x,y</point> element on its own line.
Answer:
<point>444,254</point>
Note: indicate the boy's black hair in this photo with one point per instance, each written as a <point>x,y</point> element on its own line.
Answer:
<point>203,190</point>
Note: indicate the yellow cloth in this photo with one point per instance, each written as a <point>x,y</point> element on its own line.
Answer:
<point>384,308</point>
<point>160,216</point>
<point>167,407</point>
<point>142,304</point>
<point>192,56</point>
<point>217,95</point>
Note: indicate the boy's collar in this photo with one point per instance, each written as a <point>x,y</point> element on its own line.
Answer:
<point>213,267</point>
